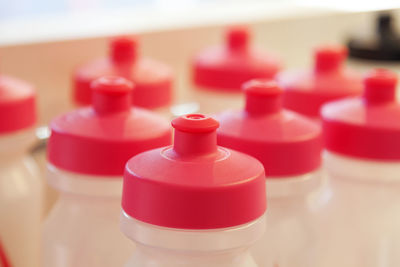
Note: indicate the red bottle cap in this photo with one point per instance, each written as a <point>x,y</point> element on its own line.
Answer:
<point>227,67</point>
<point>306,91</point>
<point>100,139</point>
<point>152,79</point>
<point>285,142</point>
<point>4,261</point>
<point>17,105</point>
<point>368,126</point>
<point>194,184</point>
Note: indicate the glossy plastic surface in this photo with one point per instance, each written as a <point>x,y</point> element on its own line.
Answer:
<point>286,143</point>
<point>369,126</point>
<point>166,247</point>
<point>82,229</point>
<point>99,139</point>
<point>194,184</point>
<point>363,218</point>
<point>295,207</point>
<point>17,105</point>
<point>153,79</point>
<point>328,80</point>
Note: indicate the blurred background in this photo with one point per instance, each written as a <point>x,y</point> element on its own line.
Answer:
<point>43,41</point>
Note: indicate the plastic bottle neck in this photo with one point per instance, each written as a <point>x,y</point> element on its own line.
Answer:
<point>376,97</point>
<point>108,105</point>
<point>195,144</point>
<point>329,59</point>
<point>258,106</point>
<point>238,40</point>
<point>263,97</point>
<point>195,135</point>
<point>123,51</point>
<point>111,95</point>
<point>380,87</point>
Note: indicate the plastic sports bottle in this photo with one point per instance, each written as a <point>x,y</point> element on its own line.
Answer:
<point>21,187</point>
<point>87,151</point>
<point>193,204</point>
<point>362,158</point>
<point>289,146</point>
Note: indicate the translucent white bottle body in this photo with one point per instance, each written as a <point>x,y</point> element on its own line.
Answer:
<point>38,152</point>
<point>365,214</point>
<point>294,208</point>
<point>166,247</point>
<point>20,200</point>
<point>82,229</point>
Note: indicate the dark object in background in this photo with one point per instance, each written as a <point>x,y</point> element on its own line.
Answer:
<point>382,44</point>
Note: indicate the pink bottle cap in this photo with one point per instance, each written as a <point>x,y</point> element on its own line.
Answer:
<point>100,139</point>
<point>227,67</point>
<point>153,80</point>
<point>285,142</point>
<point>17,105</point>
<point>368,126</point>
<point>194,184</point>
<point>306,91</point>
